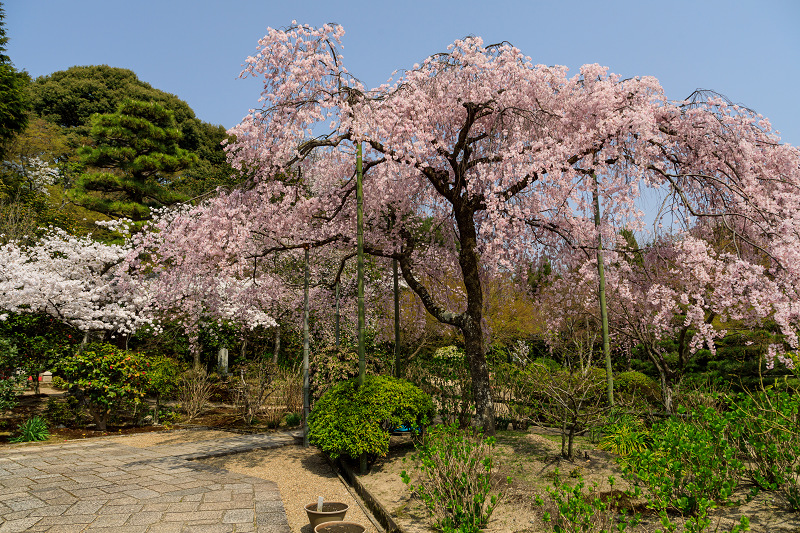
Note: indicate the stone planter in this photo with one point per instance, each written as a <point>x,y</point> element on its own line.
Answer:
<point>331,511</point>
<point>339,527</point>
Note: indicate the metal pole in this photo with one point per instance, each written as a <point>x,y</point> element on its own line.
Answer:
<point>360,239</point>
<point>306,402</point>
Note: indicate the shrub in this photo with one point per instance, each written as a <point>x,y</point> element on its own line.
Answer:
<point>769,425</point>
<point>293,419</point>
<point>330,365</point>
<point>356,421</point>
<point>58,383</point>
<point>67,412</point>
<point>32,430</point>
<point>445,375</point>
<point>106,378</point>
<point>194,391</point>
<point>456,479</point>
<point>625,435</point>
<point>163,373</point>
<point>569,509</point>
<point>639,385</point>
<point>572,401</point>
<point>11,383</point>
<point>691,465</point>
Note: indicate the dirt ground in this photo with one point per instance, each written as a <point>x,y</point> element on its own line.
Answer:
<point>216,415</point>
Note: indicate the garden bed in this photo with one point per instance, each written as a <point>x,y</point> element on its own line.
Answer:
<point>217,415</point>
<point>531,458</point>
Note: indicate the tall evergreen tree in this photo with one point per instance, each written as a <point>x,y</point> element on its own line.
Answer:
<point>133,160</point>
<point>13,102</point>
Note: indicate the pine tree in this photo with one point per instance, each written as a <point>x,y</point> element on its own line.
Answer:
<point>13,101</point>
<point>134,158</point>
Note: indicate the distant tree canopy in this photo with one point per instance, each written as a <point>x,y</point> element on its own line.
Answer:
<point>70,97</point>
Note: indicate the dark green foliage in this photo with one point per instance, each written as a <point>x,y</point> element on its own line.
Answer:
<point>330,365</point>
<point>211,170</point>
<point>136,152</point>
<point>67,412</point>
<point>355,421</point>
<point>293,419</point>
<point>41,341</point>
<point>70,97</point>
<point>444,374</point>
<point>637,385</point>
<point>13,92</point>
<point>455,481</point>
<point>32,430</point>
<point>735,365</point>
<point>11,383</point>
<point>163,375</point>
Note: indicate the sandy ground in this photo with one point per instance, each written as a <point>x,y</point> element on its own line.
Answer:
<point>302,474</point>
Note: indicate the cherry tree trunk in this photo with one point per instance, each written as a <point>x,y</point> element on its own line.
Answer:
<point>667,391</point>
<point>277,344</point>
<point>470,325</point>
<point>479,371</point>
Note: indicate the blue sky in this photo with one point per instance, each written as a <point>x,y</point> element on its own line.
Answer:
<point>746,50</point>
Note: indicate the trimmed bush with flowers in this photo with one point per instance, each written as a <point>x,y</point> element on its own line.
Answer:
<point>105,378</point>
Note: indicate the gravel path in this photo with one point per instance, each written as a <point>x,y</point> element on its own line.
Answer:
<point>302,475</point>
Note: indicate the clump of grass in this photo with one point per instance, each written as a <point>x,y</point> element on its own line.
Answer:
<point>32,430</point>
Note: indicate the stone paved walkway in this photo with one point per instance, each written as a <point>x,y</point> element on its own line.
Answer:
<point>105,485</point>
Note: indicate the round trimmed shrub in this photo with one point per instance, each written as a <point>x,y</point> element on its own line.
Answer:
<point>355,421</point>
<point>635,383</point>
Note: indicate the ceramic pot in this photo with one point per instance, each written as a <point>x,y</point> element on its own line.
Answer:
<point>339,527</point>
<point>331,511</point>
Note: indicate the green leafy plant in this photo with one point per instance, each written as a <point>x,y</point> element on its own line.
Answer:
<point>445,375</point>
<point>11,382</point>
<point>355,421</point>
<point>690,467</point>
<point>293,419</point>
<point>769,429</point>
<point>163,375</point>
<point>637,385</point>
<point>105,377</point>
<point>456,479</point>
<point>32,430</point>
<point>569,509</point>
<point>331,364</point>
<point>58,383</point>
<point>67,412</point>
<point>625,435</point>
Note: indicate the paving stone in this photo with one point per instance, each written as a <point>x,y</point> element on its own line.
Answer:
<point>107,486</point>
<point>14,526</point>
<point>239,516</point>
